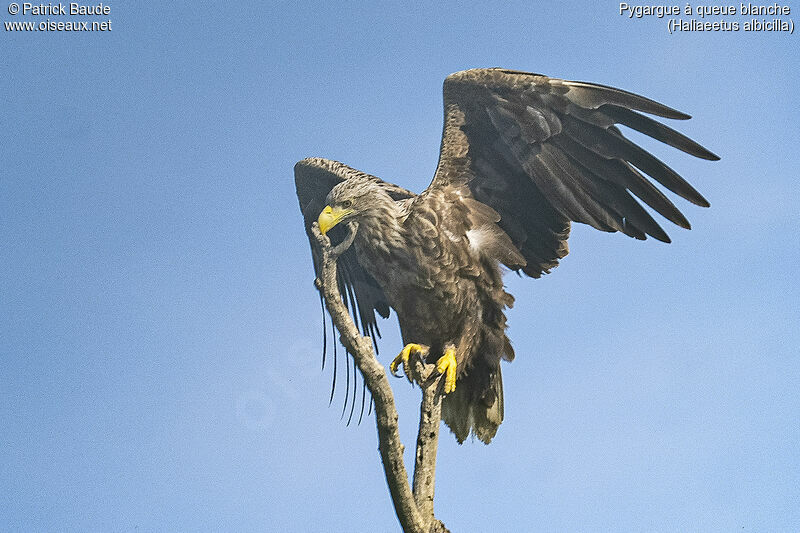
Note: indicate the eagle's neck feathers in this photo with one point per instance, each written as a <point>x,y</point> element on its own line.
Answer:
<point>380,231</point>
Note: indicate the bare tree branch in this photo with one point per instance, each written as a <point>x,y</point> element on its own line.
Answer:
<point>430,415</point>
<point>414,509</point>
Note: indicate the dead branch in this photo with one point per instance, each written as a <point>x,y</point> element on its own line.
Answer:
<point>414,508</point>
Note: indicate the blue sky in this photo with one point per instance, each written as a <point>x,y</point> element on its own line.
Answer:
<point>160,334</point>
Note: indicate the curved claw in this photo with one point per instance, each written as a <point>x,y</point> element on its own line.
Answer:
<point>447,365</point>
<point>394,364</point>
<point>403,356</point>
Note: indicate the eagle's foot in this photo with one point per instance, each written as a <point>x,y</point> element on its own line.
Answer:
<point>447,365</point>
<point>418,349</point>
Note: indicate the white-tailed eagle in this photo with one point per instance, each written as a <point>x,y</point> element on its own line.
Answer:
<point>522,156</point>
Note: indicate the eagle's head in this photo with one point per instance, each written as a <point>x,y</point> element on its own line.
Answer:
<point>353,199</point>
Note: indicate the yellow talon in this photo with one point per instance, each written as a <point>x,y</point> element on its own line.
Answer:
<point>404,355</point>
<point>447,365</point>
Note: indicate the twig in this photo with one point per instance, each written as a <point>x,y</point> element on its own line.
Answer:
<point>414,509</point>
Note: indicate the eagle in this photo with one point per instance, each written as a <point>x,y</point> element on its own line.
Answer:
<point>522,156</point>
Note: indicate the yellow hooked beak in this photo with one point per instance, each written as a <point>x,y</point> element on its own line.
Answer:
<point>330,217</point>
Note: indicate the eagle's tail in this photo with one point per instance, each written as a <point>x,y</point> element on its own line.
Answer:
<point>465,410</point>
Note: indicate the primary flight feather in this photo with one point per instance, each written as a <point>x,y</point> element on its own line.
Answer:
<point>522,156</point>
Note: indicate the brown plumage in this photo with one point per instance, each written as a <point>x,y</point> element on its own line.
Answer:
<point>522,156</point>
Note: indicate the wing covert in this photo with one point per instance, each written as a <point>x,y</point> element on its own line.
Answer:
<point>544,152</point>
<point>314,178</point>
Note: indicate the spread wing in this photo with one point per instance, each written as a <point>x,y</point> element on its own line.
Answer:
<point>314,178</point>
<point>543,152</point>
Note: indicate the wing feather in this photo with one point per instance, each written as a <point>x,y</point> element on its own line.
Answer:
<point>361,294</point>
<point>544,152</point>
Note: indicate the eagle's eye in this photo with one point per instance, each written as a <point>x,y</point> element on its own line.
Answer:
<point>347,204</point>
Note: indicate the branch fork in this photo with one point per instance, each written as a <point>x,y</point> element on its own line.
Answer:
<point>413,506</point>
